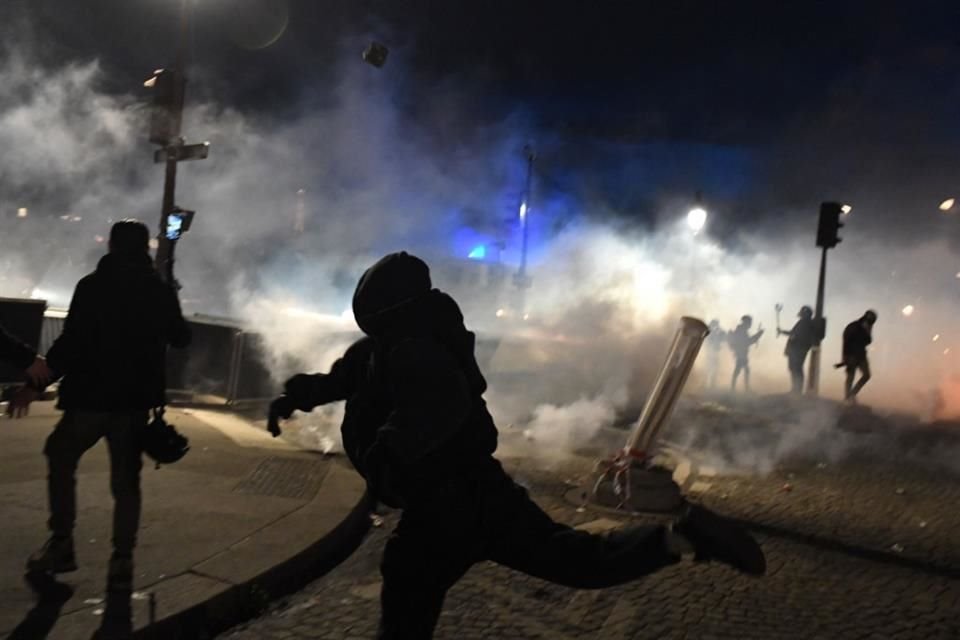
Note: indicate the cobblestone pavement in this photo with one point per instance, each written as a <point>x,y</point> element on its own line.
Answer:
<point>904,511</point>
<point>809,592</point>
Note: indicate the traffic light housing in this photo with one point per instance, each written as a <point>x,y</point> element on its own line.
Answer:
<point>830,224</point>
<point>167,106</point>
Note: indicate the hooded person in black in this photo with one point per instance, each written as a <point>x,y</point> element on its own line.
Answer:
<point>857,336</point>
<point>417,428</point>
<point>800,339</point>
<point>111,355</point>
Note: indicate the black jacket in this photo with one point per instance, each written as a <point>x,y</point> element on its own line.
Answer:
<point>802,336</point>
<point>14,351</point>
<point>856,337</point>
<point>112,352</point>
<point>414,392</point>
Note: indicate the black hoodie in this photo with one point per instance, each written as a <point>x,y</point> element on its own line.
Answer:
<point>112,352</point>
<point>413,387</point>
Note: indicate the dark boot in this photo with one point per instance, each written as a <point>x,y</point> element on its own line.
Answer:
<point>714,537</point>
<point>55,556</point>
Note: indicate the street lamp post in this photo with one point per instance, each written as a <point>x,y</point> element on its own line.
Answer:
<point>521,279</point>
<point>169,86</point>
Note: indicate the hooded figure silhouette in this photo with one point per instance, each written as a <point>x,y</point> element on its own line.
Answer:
<point>417,428</point>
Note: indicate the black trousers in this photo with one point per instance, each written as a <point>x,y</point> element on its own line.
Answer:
<point>853,364</point>
<point>489,517</point>
<point>78,431</point>
<point>795,360</point>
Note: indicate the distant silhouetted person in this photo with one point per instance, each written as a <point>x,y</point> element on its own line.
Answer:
<point>417,428</point>
<point>111,355</point>
<point>740,342</point>
<point>802,336</point>
<point>856,337</point>
<point>714,342</point>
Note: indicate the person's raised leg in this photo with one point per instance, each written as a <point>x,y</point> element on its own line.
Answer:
<point>526,539</point>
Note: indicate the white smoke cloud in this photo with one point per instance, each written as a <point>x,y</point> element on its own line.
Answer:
<point>605,299</point>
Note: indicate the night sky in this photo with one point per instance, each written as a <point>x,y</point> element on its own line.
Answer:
<point>853,99</point>
<point>728,72</point>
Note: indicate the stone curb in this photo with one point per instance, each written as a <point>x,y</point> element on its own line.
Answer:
<point>238,583</point>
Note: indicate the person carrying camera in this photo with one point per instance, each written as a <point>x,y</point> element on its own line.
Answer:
<point>111,356</point>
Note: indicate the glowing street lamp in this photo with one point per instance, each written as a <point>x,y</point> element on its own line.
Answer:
<point>22,212</point>
<point>907,311</point>
<point>696,219</point>
<point>947,205</point>
<point>845,209</point>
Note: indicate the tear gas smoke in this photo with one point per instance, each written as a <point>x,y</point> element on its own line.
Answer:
<point>582,345</point>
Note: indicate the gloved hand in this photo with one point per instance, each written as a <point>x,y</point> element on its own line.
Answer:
<point>281,408</point>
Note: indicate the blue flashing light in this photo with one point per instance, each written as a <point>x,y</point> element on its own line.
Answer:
<point>478,253</point>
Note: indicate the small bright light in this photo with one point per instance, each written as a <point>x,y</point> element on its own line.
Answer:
<point>99,239</point>
<point>696,218</point>
<point>523,211</point>
<point>846,209</point>
<point>526,316</point>
<point>154,243</point>
<point>907,310</point>
<point>76,218</point>
<point>946,351</point>
<point>22,212</point>
<point>65,216</point>
<point>501,313</point>
<point>947,204</point>
<point>479,252</point>
<point>936,337</point>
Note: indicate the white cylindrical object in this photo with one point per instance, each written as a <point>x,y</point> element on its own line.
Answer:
<point>670,382</point>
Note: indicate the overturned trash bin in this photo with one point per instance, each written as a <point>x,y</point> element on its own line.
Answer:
<point>628,479</point>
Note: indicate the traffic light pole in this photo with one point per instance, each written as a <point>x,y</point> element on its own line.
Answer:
<point>813,379</point>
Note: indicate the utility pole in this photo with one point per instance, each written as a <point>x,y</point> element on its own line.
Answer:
<point>521,279</point>
<point>827,238</point>
<point>169,88</point>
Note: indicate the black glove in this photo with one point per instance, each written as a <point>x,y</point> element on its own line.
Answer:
<point>281,408</point>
